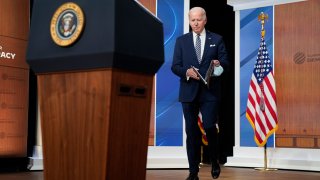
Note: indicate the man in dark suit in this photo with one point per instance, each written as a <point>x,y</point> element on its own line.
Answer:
<point>194,53</point>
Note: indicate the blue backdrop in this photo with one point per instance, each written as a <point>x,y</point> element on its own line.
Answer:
<point>169,119</point>
<point>250,29</point>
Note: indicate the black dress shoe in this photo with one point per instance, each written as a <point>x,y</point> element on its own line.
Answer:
<point>215,171</point>
<point>192,177</point>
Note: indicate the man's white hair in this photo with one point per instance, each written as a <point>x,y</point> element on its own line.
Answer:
<point>198,9</point>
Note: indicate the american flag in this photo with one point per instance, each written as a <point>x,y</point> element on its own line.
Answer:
<point>261,106</point>
<point>203,132</point>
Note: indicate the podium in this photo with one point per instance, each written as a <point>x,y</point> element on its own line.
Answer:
<point>95,92</point>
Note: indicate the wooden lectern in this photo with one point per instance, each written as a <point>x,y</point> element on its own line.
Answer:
<point>95,93</point>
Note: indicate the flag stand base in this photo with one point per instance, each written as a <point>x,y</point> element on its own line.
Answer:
<point>265,168</point>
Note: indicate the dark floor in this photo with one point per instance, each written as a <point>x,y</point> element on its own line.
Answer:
<point>231,173</point>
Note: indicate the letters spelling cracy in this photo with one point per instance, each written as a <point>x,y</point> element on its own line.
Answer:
<point>6,55</point>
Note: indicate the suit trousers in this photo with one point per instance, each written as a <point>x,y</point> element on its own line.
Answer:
<point>209,112</point>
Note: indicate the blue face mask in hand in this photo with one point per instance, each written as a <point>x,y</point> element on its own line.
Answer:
<point>218,70</point>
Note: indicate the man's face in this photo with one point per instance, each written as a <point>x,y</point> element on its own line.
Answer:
<point>197,21</point>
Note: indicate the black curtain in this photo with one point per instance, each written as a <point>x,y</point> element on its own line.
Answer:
<point>221,20</point>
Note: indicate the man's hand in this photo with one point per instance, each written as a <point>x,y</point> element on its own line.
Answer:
<point>216,62</point>
<point>192,74</point>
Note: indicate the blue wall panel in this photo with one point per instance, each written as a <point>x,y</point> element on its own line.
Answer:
<point>169,118</point>
<point>250,29</point>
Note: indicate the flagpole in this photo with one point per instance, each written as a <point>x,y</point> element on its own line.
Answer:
<point>265,167</point>
<point>262,18</point>
<point>265,157</point>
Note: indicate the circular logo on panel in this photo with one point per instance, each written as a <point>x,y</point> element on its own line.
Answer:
<point>299,57</point>
<point>67,24</point>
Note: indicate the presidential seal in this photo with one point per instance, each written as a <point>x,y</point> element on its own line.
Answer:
<point>67,24</point>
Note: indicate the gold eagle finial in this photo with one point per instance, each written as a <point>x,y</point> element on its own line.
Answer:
<point>262,18</point>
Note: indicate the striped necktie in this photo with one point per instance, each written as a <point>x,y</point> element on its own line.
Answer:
<point>198,48</point>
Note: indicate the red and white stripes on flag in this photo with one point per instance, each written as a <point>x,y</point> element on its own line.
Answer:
<point>261,106</point>
<point>203,132</point>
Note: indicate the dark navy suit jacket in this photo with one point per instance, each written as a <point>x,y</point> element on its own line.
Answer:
<point>185,56</point>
